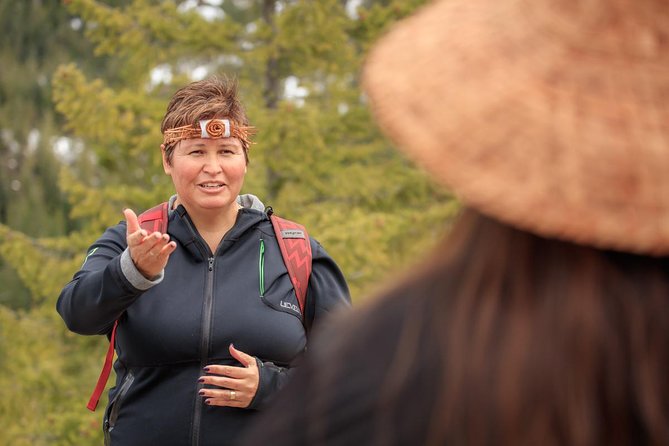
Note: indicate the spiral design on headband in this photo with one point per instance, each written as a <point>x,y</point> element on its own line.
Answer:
<point>216,128</point>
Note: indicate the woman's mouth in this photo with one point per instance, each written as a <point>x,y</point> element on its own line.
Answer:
<point>211,186</point>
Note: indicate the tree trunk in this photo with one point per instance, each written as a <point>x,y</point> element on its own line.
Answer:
<point>271,93</point>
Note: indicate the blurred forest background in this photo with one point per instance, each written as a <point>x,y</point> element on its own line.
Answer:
<point>83,87</point>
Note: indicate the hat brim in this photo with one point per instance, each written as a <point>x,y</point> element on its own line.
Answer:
<point>534,121</point>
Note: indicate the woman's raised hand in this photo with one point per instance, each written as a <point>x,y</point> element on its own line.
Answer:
<point>236,385</point>
<point>149,252</point>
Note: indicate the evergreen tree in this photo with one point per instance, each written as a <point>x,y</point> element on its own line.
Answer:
<point>37,37</point>
<point>38,391</point>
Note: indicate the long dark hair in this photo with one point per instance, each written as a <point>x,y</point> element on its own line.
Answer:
<point>533,341</point>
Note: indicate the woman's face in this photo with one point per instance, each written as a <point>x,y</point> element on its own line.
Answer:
<point>207,173</point>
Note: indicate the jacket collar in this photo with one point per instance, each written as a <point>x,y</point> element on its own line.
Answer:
<point>181,228</point>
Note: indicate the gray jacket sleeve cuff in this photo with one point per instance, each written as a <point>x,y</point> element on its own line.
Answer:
<point>133,275</point>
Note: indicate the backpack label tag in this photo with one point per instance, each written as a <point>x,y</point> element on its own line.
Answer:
<point>292,233</point>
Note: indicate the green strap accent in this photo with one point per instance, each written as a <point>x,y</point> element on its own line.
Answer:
<point>88,255</point>
<point>261,267</point>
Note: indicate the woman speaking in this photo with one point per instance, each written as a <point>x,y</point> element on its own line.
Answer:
<point>203,311</point>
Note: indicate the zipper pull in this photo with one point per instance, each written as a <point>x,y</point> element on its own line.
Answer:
<point>211,263</point>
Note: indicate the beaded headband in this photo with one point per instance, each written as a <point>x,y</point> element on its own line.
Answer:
<point>210,128</point>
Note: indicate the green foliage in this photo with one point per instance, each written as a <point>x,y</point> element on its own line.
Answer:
<point>44,371</point>
<point>120,125</point>
<point>318,159</point>
<point>374,19</point>
<point>44,376</point>
<point>321,47</point>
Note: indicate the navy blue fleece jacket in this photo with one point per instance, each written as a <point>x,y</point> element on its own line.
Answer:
<point>172,327</point>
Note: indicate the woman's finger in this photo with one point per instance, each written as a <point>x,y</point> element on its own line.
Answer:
<point>224,382</point>
<point>134,233</point>
<point>155,239</point>
<point>132,222</point>
<point>135,239</point>
<point>167,249</point>
<point>246,360</point>
<point>152,244</point>
<point>227,397</point>
<point>227,370</point>
<point>226,403</point>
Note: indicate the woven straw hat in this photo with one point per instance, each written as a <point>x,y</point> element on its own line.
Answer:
<point>549,115</point>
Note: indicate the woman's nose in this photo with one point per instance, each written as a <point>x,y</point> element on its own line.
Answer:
<point>212,164</point>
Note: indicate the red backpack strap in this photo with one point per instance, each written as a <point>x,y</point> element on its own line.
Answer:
<point>151,220</point>
<point>104,374</point>
<point>296,252</point>
<point>154,219</point>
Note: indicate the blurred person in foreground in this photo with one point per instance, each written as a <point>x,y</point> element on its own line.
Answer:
<point>209,324</point>
<point>542,319</point>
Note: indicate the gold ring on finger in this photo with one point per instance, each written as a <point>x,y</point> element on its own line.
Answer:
<point>233,395</point>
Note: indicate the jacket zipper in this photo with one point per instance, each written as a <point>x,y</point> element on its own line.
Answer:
<point>110,422</point>
<point>261,268</point>
<point>207,308</point>
<point>127,382</point>
<point>207,314</point>
<point>206,326</point>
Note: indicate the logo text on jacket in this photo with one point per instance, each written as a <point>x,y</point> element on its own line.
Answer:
<point>290,306</point>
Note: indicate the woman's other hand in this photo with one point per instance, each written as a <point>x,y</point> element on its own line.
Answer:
<point>149,252</point>
<point>238,385</point>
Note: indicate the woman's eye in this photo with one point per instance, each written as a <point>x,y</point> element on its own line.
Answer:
<point>195,152</point>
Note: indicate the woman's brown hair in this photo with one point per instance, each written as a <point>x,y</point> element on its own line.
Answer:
<point>532,341</point>
<point>215,97</point>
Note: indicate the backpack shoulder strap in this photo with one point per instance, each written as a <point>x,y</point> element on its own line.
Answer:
<point>296,252</point>
<point>151,220</point>
<point>104,374</point>
<point>154,219</point>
